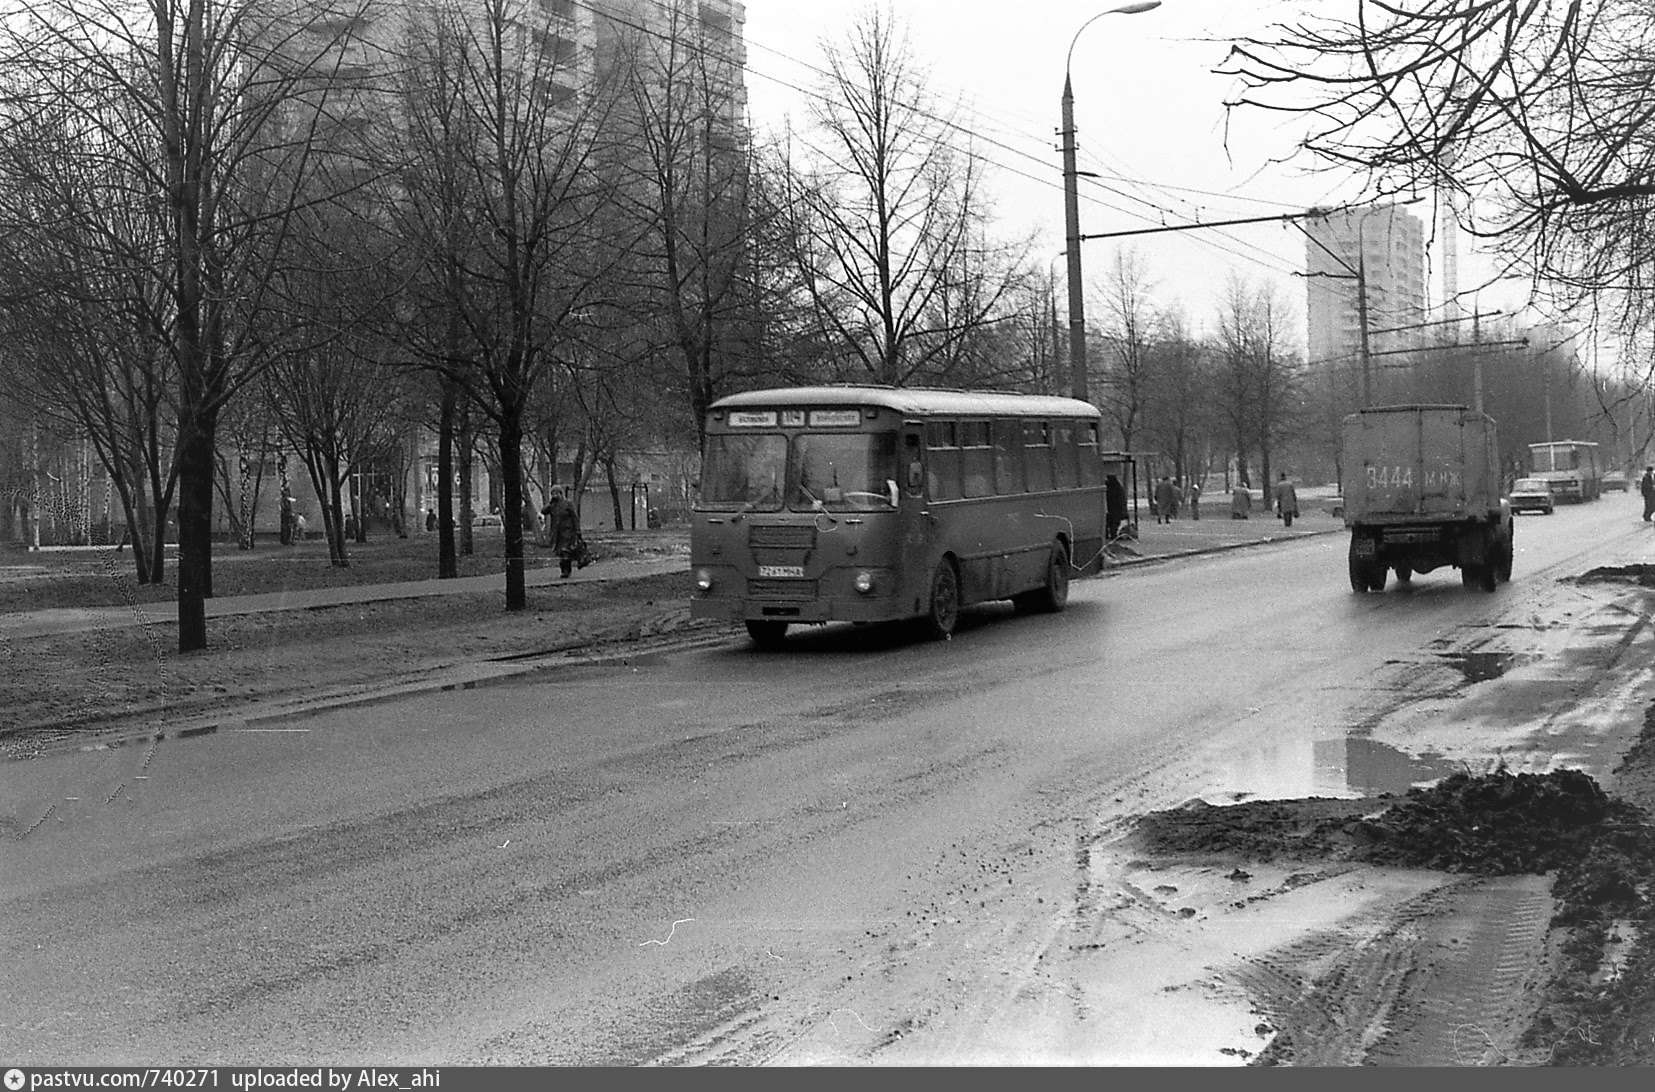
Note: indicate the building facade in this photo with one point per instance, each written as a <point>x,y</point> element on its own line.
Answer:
<point>1378,253</point>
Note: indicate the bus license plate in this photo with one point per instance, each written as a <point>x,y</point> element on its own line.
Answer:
<point>781,570</point>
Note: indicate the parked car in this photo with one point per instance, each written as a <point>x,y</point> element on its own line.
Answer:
<point>1618,481</point>
<point>1532,495</point>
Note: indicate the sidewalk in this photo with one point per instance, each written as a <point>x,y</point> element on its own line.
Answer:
<point>1215,530</point>
<point>23,625</point>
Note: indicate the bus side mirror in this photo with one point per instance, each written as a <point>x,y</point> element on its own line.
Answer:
<point>890,488</point>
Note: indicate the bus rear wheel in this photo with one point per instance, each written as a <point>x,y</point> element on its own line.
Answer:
<point>944,612</point>
<point>1054,596</point>
<point>765,633</point>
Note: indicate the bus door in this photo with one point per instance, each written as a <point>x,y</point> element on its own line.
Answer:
<point>917,536</point>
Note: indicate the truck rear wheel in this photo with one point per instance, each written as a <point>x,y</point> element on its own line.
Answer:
<point>1478,576</point>
<point>1404,573</point>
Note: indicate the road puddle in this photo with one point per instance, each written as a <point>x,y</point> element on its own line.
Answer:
<point>1346,767</point>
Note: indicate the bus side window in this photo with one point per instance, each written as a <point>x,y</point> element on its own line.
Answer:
<point>914,464</point>
<point>1037,455</point>
<point>1065,449</point>
<point>977,458</point>
<point>942,460</point>
<point>1091,459</point>
<point>1008,457</point>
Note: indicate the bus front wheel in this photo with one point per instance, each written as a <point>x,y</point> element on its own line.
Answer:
<point>945,602</point>
<point>765,633</point>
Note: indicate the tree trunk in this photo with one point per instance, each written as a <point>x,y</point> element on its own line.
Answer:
<point>447,563</point>
<point>466,441</point>
<point>511,514</point>
<point>195,528</point>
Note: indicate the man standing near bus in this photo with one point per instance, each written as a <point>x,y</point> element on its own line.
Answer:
<point>1647,488</point>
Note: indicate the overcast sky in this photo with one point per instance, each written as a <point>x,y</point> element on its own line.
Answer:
<point>1149,116</point>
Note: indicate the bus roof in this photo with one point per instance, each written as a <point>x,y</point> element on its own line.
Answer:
<point>919,401</point>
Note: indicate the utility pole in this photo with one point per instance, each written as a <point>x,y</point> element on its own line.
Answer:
<point>1071,228</point>
<point>1071,208</point>
<point>1362,320</point>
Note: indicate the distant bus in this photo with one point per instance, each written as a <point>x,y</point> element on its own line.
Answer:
<point>877,504</point>
<point>1571,466</point>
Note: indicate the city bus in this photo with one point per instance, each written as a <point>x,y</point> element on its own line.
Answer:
<point>877,504</point>
<point>1571,466</point>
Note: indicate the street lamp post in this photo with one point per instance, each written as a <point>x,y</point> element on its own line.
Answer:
<point>1071,209</point>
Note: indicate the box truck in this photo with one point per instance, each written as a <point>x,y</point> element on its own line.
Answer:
<point>1422,490</point>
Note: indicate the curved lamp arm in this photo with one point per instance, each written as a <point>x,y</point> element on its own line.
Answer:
<point>1125,9</point>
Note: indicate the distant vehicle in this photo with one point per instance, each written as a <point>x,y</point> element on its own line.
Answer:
<point>1572,466</point>
<point>1421,486</point>
<point>1617,481</point>
<point>486,519</point>
<point>1532,495</point>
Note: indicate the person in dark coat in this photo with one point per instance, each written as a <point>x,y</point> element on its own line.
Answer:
<point>1647,487</point>
<point>1166,500</point>
<point>562,530</point>
<point>1287,501</point>
<point>1114,503</point>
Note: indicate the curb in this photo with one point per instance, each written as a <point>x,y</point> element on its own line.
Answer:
<point>466,675</point>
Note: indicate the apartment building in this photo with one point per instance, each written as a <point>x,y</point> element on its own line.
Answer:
<point>1384,246</point>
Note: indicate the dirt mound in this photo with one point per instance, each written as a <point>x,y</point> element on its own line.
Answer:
<point>1598,1008</point>
<point>1493,824</point>
<point>1637,574</point>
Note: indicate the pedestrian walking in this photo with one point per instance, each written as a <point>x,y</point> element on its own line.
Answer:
<point>1241,502</point>
<point>1165,500</point>
<point>562,530</point>
<point>1194,498</point>
<point>1287,501</point>
<point>1647,487</point>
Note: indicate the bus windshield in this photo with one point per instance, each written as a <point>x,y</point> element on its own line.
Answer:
<point>853,471</point>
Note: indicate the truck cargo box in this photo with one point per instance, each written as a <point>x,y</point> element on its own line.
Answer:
<point>1421,490</point>
<point>1413,462</point>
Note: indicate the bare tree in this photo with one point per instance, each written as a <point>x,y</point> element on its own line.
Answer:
<point>889,226</point>
<point>1258,378</point>
<point>1537,113</point>
<point>686,181</point>
<point>1178,394</point>
<point>194,102</point>
<point>503,202</point>
<point>1129,326</point>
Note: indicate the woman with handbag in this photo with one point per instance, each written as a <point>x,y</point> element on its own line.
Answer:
<point>562,530</point>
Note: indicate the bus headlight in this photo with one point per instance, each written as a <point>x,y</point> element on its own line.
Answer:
<point>863,582</point>
<point>703,580</point>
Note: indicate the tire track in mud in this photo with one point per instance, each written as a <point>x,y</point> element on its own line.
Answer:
<point>1446,981</point>
<point>1483,954</point>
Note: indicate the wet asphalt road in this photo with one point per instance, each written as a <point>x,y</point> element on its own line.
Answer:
<point>719,855</point>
